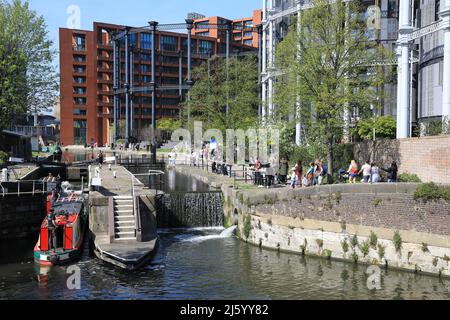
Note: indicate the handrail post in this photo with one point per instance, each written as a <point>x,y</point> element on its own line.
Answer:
<point>18,188</point>
<point>33,187</point>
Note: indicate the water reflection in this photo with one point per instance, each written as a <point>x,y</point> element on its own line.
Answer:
<point>216,268</point>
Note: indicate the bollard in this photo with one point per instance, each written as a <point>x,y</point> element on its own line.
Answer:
<point>115,174</point>
<point>109,167</point>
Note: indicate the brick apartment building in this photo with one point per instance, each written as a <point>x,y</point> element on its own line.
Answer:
<point>242,29</point>
<point>86,71</point>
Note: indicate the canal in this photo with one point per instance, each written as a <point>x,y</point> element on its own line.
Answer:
<point>204,263</point>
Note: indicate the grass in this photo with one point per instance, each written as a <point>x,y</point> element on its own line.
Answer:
<point>373,240</point>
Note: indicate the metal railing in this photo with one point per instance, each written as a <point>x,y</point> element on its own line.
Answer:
<point>34,187</point>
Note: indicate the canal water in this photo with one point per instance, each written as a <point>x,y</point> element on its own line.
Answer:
<point>207,263</point>
<point>202,264</point>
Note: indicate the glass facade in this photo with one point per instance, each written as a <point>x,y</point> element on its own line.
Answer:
<point>169,43</point>
<point>79,132</point>
<point>205,47</point>
<point>146,41</point>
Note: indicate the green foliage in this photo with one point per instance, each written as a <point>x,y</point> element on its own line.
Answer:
<point>354,242</point>
<point>28,79</point>
<point>385,127</point>
<point>328,254</point>
<point>247,226</point>
<point>409,178</point>
<point>365,248</point>
<point>13,85</point>
<point>381,251</point>
<point>169,124</point>
<point>345,246</point>
<point>398,242</point>
<point>373,240</point>
<point>377,201</point>
<point>431,191</point>
<point>211,89</point>
<point>3,157</point>
<point>355,257</point>
<point>322,60</point>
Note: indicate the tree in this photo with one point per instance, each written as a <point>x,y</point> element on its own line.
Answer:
<point>13,85</point>
<point>324,61</point>
<point>24,33</point>
<point>169,125</point>
<point>211,89</point>
<point>385,127</point>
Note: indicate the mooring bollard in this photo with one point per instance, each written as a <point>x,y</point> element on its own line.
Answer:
<point>115,174</point>
<point>109,167</point>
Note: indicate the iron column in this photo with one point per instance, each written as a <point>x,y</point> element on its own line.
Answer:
<point>127,86</point>
<point>153,25</point>
<point>190,26</point>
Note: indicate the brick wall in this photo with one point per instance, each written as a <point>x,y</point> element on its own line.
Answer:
<point>428,157</point>
<point>392,211</point>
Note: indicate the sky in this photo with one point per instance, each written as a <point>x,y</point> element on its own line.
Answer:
<point>136,12</point>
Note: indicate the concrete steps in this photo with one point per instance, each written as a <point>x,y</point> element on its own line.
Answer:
<point>124,219</point>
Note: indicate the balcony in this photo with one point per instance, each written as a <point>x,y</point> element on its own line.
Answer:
<point>104,46</point>
<point>105,58</point>
<point>79,49</point>
<point>104,81</point>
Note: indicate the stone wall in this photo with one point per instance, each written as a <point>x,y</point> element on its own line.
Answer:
<point>21,216</point>
<point>428,157</point>
<point>317,221</point>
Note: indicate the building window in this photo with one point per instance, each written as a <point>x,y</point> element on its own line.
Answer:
<point>248,34</point>
<point>80,42</point>
<point>169,43</point>
<point>171,70</point>
<point>437,6</point>
<point>80,79</point>
<point>193,46</point>
<point>79,132</point>
<point>79,58</point>
<point>78,90</point>
<point>146,57</point>
<point>79,112</point>
<point>146,41</point>
<point>205,47</point>
<point>80,101</point>
<point>80,69</point>
<point>145,68</point>
<point>203,34</point>
<point>248,42</point>
<point>248,24</point>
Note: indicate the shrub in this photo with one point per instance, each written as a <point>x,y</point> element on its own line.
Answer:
<point>409,178</point>
<point>328,254</point>
<point>381,251</point>
<point>3,157</point>
<point>373,239</point>
<point>345,246</point>
<point>247,226</point>
<point>354,242</point>
<point>431,191</point>
<point>365,248</point>
<point>397,241</point>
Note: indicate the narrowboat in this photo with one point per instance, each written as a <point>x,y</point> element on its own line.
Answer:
<point>65,243</point>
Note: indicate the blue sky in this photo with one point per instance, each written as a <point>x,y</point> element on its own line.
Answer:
<point>137,12</point>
